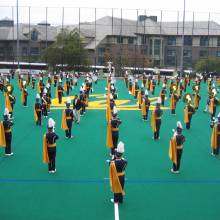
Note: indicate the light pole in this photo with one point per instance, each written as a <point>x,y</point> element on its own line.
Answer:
<point>182,46</point>
<point>17,37</point>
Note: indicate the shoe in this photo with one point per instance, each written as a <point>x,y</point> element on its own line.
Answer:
<point>214,155</point>
<point>112,200</point>
<point>55,170</point>
<point>71,136</point>
<point>50,171</point>
<point>107,161</point>
<point>11,154</point>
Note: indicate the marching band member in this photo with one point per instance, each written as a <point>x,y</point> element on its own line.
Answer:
<point>163,94</point>
<point>49,146</point>
<point>38,111</point>
<point>176,148</point>
<point>6,134</point>
<point>59,91</point>
<point>67,120</point>
<point>44,102</point>
<point>77,107</point>
<point>145,106</point>
<point>156,120</point>
<point>173,100</point>
<point>215,138</point>
<point>117,174</point>
<point>188,110</point>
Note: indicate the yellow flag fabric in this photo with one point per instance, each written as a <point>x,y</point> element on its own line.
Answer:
<point>186,116</point>
<point>139,97</point>
<point>2,136</point>
<point>35,115</point>
<point>133,90</point>
<point>45,151</point>
<point>172,102</point>
<point>38,87</point>
<point>63,123</point>
<point>8,103</point>
<point>153,121</point>
<point>22,96</point>
<point>56,95</point>
<point>19,84</point>
<point>53,81</point>
<point>172,150</point>
<point>211,107</point>
<point>143,108</point>
<point>65,87</point>
<point>147,84</point>
<point>214,137</point>
<point>196,101</point>
<point>109,142</point>
<point>114,180</point>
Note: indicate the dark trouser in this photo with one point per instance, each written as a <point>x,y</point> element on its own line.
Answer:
<point>33,85</point>
<point>189,123</point>
<point>69,131</point>
<point>115,136</point>
<point>173,111</point>
<point>41,92</point>
<point>25,101</point>
<point>216,151</point>
<point>136,93</point>
<point>39,115</point>
<point>176,167</point>
<point>145,117</point>
<point>157,132</point>
<point>52,158</point>
<point>60,98</point>
<point>55,83</point>
<point>45,110</point>
<point>118,197</point>
<point>8,137</point>
<point>126,83</point>
<point>68,90</point>
<point>214,111</point>
<point>83,109</point>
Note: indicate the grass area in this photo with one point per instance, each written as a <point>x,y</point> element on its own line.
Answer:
<point>79,189</point>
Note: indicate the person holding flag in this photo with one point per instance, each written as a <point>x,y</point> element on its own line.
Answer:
<point>176,147</point>
<point>117,174</point>
<point>49,146</point>
<point>215,138</point>
<point>6,134</point>
<point>156,120</point>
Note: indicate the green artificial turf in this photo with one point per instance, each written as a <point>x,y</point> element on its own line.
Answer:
<point>80,189</point>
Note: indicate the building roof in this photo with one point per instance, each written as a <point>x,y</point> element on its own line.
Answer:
<point>96,31</point>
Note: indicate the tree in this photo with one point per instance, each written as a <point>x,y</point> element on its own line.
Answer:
<point>211,64</point>
<point>66,50</point>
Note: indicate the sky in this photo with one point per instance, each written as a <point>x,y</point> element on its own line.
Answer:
<point>153,7</point>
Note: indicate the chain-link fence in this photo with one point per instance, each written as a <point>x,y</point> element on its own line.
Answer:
<point>128,38</point>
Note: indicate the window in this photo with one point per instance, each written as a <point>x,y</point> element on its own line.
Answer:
<point>120,40</point>
<point>187,40</point>
<point>101,51</point>
<point>151,46</point>
<point>143,39</point>
<point>218,43</point>
<point>171,41</point>
<point>2,52</point>
<point>130,40</point>
<point>171,53</point>
<point>203,53</point>
<point>157,43</point>
<point>218,53</point>
<point>187,53</point>
<point>34,35</point>
<point>24,51</point>
<point>204,41</point>
<point>101,61</point>
<point>34,51</point>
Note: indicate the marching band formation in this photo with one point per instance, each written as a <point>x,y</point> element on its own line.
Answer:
<point>173,88</point>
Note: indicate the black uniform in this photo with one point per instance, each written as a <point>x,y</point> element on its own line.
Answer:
<point>8,134</point>
<point>45,105</point>
<point>41,84</point>
<point>191,111</point>
<point>60,93</point>
<point>69,122</point>
<point>12,100</point>
<point>51,138</point>
<point>180,139</point>
<point>120,165</point>
<point>162,96</point>
<point>38,108</point>
<point>147,105</point>
<point>158,115</point>
<point>25,97</point>
<point>68,87</point>
<point>115,123</point>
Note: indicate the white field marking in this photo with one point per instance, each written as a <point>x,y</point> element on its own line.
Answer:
<point>116,211</point>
